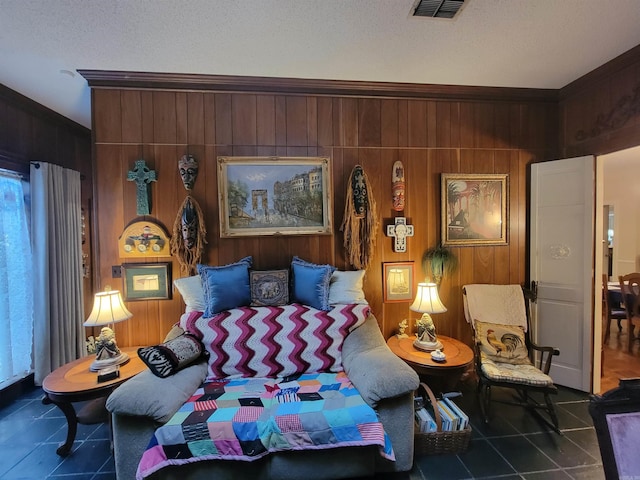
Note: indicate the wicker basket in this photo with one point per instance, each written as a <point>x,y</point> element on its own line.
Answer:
<point>439,442</point>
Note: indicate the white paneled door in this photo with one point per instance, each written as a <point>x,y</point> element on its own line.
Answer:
<point>561,264</point>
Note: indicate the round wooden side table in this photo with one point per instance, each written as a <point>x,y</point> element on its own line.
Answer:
<point>443,376</point>
<point>74,382</point>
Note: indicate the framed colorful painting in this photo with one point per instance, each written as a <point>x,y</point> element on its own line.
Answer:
<point>474,209</point>
<point>274,196</point>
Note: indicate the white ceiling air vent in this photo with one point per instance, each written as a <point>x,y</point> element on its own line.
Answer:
<point>437,8</point>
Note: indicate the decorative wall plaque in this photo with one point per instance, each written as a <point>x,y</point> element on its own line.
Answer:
<point>144,239</point>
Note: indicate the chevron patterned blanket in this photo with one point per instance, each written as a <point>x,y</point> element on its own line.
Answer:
<point>246,419</point>
<point>275,341</point>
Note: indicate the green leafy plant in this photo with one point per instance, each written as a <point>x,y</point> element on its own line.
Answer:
<point>439,261</point>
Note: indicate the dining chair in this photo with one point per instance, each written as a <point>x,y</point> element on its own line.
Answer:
<point>630,288</point>
<point>611,307</point>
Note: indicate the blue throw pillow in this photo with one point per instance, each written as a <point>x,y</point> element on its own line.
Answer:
<point>310,285</point>
<point>226,287</point>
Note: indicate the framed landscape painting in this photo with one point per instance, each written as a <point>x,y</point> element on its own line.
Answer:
<point>274,196</point>
<point>474,209</point>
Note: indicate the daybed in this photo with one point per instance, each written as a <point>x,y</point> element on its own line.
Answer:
<point>384,382</point>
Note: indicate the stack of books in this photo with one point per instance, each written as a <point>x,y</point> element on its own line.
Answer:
<point>452,417</point>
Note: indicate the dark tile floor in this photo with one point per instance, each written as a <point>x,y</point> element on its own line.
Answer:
<point>513,446</point>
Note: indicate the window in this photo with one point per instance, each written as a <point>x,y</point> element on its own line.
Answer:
<point>16,299</point>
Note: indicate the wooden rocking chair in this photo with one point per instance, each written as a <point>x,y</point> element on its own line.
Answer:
<point>499,315</point>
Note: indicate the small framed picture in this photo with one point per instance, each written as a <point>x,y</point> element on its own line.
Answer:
<point>147,281</point>
<point>397,281</point>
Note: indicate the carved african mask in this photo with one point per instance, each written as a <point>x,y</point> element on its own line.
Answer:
<point>189,226</point>
<point>188,167</point>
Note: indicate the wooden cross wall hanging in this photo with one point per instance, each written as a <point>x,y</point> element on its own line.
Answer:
<point>142,175</point>
<point>400,231</point>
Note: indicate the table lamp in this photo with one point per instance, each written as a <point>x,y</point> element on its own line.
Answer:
<point>427,301</point>
<point>108,309</point>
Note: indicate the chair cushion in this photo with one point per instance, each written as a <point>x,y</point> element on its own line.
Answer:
<point>525,374</point>
<point>502,343</point>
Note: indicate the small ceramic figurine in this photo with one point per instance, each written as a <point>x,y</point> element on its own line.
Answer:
<point>90,342</point>
<point>402,326</point>
<point>106,346</point>
<point>438,356</point>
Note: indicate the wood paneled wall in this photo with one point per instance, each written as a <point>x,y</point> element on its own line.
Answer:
<point>600,112</point>
<point>32,132</point>
<point>432,129</point>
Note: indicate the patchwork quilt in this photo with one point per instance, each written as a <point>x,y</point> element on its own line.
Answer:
<point>248,418</point>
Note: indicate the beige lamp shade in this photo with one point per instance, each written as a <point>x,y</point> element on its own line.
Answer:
<point>427,299</point>
<point>108,308</point>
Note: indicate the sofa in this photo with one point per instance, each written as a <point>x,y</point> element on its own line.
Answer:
<point>150,402</point>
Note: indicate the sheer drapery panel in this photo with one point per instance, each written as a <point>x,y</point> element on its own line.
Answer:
<point>16,294</point>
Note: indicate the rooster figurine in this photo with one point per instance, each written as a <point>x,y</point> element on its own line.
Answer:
<point>507,343</point>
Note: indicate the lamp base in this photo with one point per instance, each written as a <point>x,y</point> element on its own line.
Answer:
<point>427,346</point>
<point>109,362</point>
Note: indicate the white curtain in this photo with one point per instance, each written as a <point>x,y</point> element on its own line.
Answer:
<point>16,300</point>
<point>57,260</point>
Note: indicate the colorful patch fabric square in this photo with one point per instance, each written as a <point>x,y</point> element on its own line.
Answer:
<point>249,432</point>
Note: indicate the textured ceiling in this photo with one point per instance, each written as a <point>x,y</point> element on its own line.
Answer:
<point>513,43</point>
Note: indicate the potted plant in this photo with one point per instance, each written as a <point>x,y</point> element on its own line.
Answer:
<point>439,261</point>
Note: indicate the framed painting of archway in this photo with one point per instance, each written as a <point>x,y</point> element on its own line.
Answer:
<point>474,209</point>
<point>274,196</point>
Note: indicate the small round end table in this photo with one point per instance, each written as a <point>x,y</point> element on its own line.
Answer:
<point>74,382</point>
<point>439,375</point>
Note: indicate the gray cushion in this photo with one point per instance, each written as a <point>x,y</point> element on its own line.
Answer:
<point>375,370</point>
<point>155,397</point>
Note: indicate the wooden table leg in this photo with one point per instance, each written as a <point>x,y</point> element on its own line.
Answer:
<point>72,424</point>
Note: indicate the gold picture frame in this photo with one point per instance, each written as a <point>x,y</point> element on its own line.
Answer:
<point>474,209</point>
<point>274,196</point>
